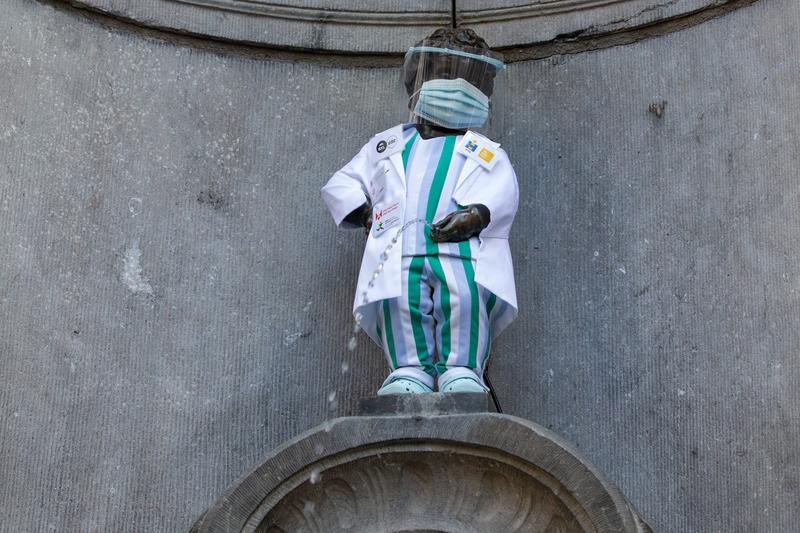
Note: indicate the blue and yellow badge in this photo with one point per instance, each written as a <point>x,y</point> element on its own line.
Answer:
<point>479,149</point>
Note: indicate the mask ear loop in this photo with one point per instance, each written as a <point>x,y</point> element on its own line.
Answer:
<point>412,112</point>
<point>412,95</point>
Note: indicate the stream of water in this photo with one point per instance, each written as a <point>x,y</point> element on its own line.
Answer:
<point>353,342</point>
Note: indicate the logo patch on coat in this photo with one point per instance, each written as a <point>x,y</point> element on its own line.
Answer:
<point>486,155</point>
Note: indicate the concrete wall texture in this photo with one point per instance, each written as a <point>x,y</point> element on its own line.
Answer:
<point>174,298</point>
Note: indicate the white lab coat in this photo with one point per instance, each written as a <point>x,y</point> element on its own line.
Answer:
<point>376,173</point>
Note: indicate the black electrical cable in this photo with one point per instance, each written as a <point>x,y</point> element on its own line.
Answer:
<point>491,391</point>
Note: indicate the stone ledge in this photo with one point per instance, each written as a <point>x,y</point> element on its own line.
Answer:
<point>435,403</point>
<point>387,26</point>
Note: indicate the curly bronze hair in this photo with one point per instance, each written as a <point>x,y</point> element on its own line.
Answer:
<point>458,36</point>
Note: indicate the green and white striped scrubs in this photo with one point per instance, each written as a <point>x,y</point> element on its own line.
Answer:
<point>442,319</point>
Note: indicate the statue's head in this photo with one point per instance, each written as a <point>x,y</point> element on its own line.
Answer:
<point>449,77</point>
<point>442,65</point>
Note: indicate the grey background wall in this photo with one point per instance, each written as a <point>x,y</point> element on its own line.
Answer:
<point>174,298</point>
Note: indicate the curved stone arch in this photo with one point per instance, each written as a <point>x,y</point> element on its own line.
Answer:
<point>486,471</point>
<point>416,471</point>
<point>387,26</point>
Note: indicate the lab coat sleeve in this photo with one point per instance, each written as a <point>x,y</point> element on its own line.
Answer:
<point>498,190</point>
<point>347,188</point>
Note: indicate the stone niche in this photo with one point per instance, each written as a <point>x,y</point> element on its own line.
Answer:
<point>418,465</point>
<point>390,26</point>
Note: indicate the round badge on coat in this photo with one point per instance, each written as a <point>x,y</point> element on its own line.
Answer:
<point>381,147</point>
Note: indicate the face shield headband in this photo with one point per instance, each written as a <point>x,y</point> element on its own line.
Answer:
<point>496,63</point>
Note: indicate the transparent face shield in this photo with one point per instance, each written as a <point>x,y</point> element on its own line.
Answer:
<point>454,87</point>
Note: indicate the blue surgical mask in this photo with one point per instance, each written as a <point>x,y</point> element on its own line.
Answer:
<point>455,104</point>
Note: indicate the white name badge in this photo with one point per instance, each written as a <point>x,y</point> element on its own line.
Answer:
<point>479,149</point>
<point>386,218</point>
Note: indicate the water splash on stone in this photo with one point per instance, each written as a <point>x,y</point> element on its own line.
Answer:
<point>333,403</point>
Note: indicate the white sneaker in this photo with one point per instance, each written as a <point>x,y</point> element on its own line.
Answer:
<point>404,385</point>
<point>462,384</point>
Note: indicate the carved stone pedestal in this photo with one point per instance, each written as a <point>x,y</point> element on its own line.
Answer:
<point>435,462</point>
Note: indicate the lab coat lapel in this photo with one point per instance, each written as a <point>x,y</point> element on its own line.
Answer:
<point>469,167</point>
<point>478,152</point>
<point>397,161</point>
<point>390,145</point>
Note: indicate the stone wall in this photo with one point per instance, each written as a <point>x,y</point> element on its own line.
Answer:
<point>175,299</point>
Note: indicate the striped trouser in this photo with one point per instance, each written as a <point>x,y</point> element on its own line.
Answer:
<point>440,323</point>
